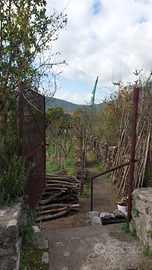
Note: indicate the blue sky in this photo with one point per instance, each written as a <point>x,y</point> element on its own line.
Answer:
<point>104,38</point>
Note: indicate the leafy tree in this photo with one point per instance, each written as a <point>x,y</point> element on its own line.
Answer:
<point>25,33</point>
<point>112,117</point>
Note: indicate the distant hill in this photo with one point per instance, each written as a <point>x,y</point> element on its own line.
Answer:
<point>68,107</point>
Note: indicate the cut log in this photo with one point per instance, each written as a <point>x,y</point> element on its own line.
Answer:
<point>51,198</point>
<point>47,217</point>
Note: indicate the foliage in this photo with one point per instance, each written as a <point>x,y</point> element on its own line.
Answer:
<point>88,148</point>
<point>134,234</point>
<point>147,251</point>
<point>12,171</point>
<point>109,118</point>
<point>35,258</point>
<point>108,175</point>
<point>26,233</point>
<point>125,227</point>
<point>135,211</point>
<point>25,33</point>
<point>97,162</point>
<point>150,234</point>
<point>52,166</point>
<point>54,115</point>
<point>120,196</point>
<point>80,123</point>
<point>86,187</point>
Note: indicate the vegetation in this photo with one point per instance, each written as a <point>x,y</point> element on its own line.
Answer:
<point>98,164</point>
<point>135,211</point>
<point>125,228</point>
<point>34,259</point>
<point>26,33</point>
<point>26,232</point>
<point>86,186</point>
<point>147,251</point>
<point>68,107</point>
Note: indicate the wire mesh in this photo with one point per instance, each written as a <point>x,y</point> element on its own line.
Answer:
<point>32,130</point>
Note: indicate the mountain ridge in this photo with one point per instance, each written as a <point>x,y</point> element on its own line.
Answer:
<point>68,107</point>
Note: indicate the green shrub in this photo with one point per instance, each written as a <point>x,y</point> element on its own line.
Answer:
<point>13,174</point>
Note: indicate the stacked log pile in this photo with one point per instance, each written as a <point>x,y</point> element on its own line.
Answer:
<point>60,196</point>
<point>103,150</point>
<point>121,177</point>
<point>105,153</point>
<point>109,163</point>
<point>113,156</point>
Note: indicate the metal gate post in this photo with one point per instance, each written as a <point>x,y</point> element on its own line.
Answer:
<point>133,145</point>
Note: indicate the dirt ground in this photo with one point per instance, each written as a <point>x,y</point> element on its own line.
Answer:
<point>104,201</point>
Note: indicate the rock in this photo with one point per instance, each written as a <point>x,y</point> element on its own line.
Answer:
<point>119,214</point>
<point>94,218</point>
<point>96,221</point>
<point>93,214</point>
<point>45,257</point>
<point>105,215</point>
<point>36,229</point>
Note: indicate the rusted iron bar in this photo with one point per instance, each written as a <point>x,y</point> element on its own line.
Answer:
<point>133,145</point>
<point>44,149</point>
<point>113,169</point>
<point>34,151</point>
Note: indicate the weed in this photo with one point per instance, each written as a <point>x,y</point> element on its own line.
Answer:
<point>134,234</point>
<point>86,187</point>
<point>88,148</point>
<point>27,233</point>
<point>108,175</point>
<point>150,234</point>
<point>147,251</point>
<point>97,162</point>
<point>119,197</point>
<point>125,227</point>
<point>35,258</point>
<point>135,211</point>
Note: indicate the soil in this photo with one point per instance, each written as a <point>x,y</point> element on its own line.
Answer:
<point>104,201</point>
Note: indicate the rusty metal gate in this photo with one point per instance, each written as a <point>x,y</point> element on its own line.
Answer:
<point>32,131</point>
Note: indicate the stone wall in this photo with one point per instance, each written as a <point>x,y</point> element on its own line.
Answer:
<point>142,214</point>
<point>11,220</point>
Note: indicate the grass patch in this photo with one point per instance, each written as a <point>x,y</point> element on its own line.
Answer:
<point>125,228</point>
<point>68,164</point>
<point>135,211</point>
<point>108,175</point>
<point>51,168</point>
<point>34,261</point>
<point>119,197</point>
<point>97,163</point>
<point>88,148</point>
<point>86,187</point>
<point>147,251</point>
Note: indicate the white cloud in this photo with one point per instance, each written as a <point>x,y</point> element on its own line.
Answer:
<point>112,43</point>
<point>75,98</point>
